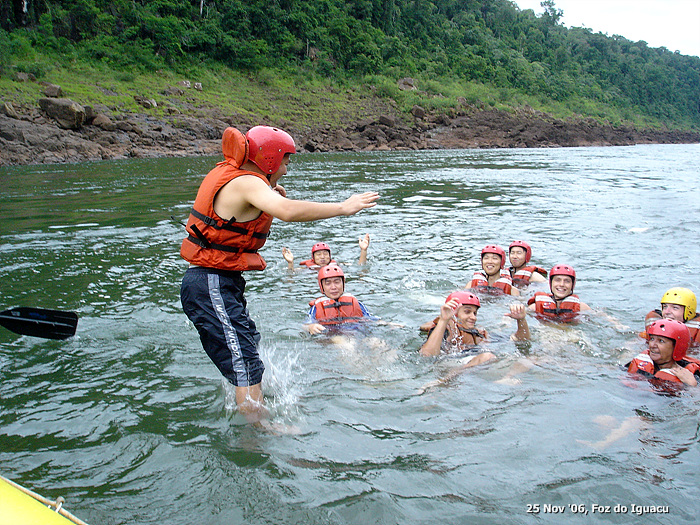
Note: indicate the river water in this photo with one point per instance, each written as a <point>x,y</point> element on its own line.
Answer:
<point>132,424</point>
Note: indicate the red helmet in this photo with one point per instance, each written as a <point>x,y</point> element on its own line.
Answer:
<point>267,147</point>
<point>492,248</point>
<point>563,269</point>
<point>673,330</point>
<point>320,246</point>
<point>330,270</point>
<point>464,298</point>
<point>525,246</point>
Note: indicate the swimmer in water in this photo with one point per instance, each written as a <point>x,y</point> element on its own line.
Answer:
<point>519,255</point>
<point>679,304</point>
<point>321,255</point>
<point>492,278</point>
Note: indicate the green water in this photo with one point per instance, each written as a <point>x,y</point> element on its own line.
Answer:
<point>131,423</point>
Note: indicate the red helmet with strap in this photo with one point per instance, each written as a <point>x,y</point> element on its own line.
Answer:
<point>464,298</point>
<point>320,246</point>
<point>267,147</point>
<point>673,330</point>
<point>330,270</point>
<point>525,246</point>
<point>563,269</point>
<point>492,248</point>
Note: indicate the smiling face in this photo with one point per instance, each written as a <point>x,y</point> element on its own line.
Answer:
<point>661,350</point>
<point>333,287</point>
<point>465,315</point>
<point>673,311</point>
<point>322,257</point>
<point>517,256</point>
<point>491,263</point>
<point>561,286</point>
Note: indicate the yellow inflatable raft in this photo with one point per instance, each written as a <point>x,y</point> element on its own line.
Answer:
<point>21,506</point>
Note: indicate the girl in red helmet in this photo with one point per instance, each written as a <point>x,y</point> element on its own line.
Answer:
<point>665,358</point>
<point>321,255</point>
<point>519,254</point>
<point>492,277</point>
<point>228,224</point>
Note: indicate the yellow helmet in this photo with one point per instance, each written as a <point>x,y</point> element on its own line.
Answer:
<point>684,297</point>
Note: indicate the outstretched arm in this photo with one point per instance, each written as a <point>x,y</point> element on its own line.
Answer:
<point>289,257</point>
<point>433,344</point>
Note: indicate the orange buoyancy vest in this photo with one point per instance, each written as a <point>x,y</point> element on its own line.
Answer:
<point>346,309</point>
<point>692,324</point>
<point>643,364</point>
<point>504,282</point>
<point>523,275</point>
<point>214,242</point>
<point>546,306</point>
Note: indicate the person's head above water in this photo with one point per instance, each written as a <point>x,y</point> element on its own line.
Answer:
<point>519,253</point>
<point>562,279</point>
<point>679,304</point>
<point>331,281</point>
<point>321,253</point>
<point>668,340</point>
<point>493,259</point>
<point>267,147</point>
<point>467,305</point>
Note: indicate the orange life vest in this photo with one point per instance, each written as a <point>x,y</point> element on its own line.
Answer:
<point>644,365</point>
<point>692,324</point>
<point>225,244</point>
<point>480,280</point>
<point>346,309</point>
<point>523,275</point>
<point>546,306</point>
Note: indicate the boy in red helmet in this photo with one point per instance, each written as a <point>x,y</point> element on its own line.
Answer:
<point>335,307</point>
<point>560,304</point>
<point>665,358</point>
<point>454,330</point>
<point>321,255</point>
<point>492,277</point>
<point>519,255</point>
<point>228,224</point>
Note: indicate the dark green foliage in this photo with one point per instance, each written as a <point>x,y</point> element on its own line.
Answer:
<point>485,41</point>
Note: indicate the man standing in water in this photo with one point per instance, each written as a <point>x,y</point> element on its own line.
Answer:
<point>228,224</point>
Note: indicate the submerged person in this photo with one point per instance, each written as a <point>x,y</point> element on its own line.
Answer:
<point>228,224</point>
<point>321,255</point>
<point>455,333</point>
<point>561,304</point>
<point>665,358</point>
<point>492,278</point>
<point>679,304</point>
<point>522,274</point>
<point>335,307</point>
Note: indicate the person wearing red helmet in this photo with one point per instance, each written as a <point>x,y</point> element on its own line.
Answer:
<point>335,307</point>
<point>665,358</point>
<point>321,255</point>
<point>454,330</point>
<point>228,224</point>
<point>560,304</point>
<point>519,255</point>
<point>492,277</point>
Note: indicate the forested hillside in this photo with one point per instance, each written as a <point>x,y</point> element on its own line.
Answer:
<point>487,42</point>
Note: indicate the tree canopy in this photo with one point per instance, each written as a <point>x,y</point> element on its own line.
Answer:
<point>486,41</point>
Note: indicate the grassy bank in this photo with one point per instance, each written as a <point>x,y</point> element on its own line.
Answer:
<point>291,96</point>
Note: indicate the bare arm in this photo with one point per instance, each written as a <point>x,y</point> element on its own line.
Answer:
<point>519,313</point>
<point>289,257</point>
<point>245,196</point>
<point>433,344</point>
<point>364,244</point>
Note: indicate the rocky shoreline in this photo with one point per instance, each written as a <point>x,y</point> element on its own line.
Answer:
<point>57,132</point>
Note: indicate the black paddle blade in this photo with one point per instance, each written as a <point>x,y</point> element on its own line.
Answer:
<point>39,322</point>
